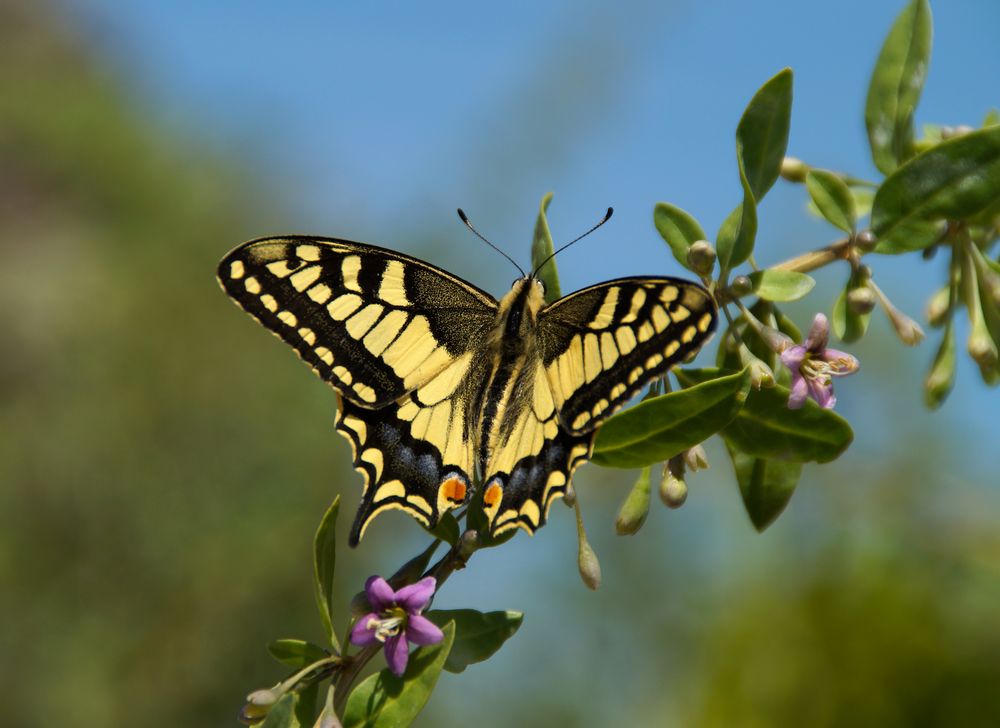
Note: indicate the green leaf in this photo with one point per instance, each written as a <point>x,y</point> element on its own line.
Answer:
<point>847,325</point>
<point>953,181</point>
<point>678,228</point>
<point>833,198</point>
<point>297,654</point>
<point>781,285</point>
<point>305,706</point>
<point>766,486</point>
<point>478,635</point>
<point>385,700</point>
<point>896,84</point>
<point>992,118</point>
<point>541,248</point>
<point>324,560</point>
<point>762,134</point>
<point>766,428</point>
<point>735,239</point>
<point>281,714</point>
<point>659,428</point>
<point>447,529</point>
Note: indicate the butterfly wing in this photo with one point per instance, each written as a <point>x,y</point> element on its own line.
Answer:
<point>600,346</point>
<point>397,339</point>
<point>597,348</point>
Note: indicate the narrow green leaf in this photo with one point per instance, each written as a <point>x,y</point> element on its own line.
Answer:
<point>281,714</point>
<point>953,181</point>
<point>478,635</point>
<point>678,228</point>
<point>659,428</point>
<point>296,653</point>
<point>766,428</point>
<point>762,134</point>
<point>541,248</point>
<point>781,285</point>
<point>447,529</point>
<point>735,239</point>
<point>896,84</point>
<point>992,118</point>
<point>847,325</point>
<point>383,700</point>
<point>833,198</point>
<point>306,710</point>
<point>766,486</point>
<point>324,561</point>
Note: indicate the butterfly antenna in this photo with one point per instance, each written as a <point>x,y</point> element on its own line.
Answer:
<point>607,216</point>
<point>465,219</point>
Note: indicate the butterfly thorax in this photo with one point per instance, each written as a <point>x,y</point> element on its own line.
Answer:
<point>513,344</point>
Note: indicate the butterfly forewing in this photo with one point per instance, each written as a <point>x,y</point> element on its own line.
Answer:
<point>600,346</point>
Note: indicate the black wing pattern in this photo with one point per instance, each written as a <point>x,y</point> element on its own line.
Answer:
<point>597,348</point>
<point>397,338</point>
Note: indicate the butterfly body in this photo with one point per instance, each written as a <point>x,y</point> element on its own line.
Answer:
<point>441,387</point>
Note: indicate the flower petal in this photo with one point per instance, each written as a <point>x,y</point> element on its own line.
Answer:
<point>380,594</point>
<point>397,653</point>
<point>819,334</point>
<point>363,635</point>
<point>414,597</point>
<point>422,631</point>
<point>840,362</point>
<point>800,391</point>
<point>793,356</point>
<point>822,392</point>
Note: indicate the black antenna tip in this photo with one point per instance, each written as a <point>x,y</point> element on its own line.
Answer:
<point>611,211</point>
<point>462,216</point>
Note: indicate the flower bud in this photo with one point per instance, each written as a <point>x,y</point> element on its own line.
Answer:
<point>865,240</point>
<point>634,510</point>
<point>793,169</point>
<point>861,300</point>
<point>259,703</point>
<point>673,489</point>
<point>941,376</point>
<point>760,373</point>
<point>982,348</point>
<point>586,558</point>
<point>701,257</point>
<point>775,340</point>
<point>263,698</point>
<point>908,330</point>
<point>695,458</point>
<point>938,307</point>
<point>741,286</point>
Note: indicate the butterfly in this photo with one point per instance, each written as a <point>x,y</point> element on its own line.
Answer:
<point>445,393</point>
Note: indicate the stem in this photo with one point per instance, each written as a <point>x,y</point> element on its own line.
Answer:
<point>840,250</point>
<point>352,667</point>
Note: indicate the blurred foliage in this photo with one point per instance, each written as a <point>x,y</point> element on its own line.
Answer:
<point>164,465</point>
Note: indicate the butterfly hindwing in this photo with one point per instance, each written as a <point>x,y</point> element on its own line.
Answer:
<point>600,346</point>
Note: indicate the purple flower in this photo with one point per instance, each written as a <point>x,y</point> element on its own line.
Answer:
<point>395,618</point>
<point>813,367</point>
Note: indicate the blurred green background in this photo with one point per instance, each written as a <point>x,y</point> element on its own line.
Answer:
<point>164,462</point>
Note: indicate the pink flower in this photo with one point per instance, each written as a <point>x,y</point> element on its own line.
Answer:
<point>813,367</point>
<point>396,618</point>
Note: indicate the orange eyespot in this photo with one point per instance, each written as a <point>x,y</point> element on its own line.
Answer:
<point>492,495</point>
<point>453,489</point>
